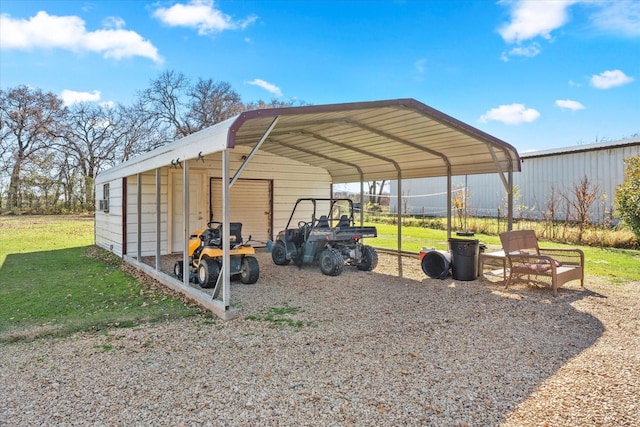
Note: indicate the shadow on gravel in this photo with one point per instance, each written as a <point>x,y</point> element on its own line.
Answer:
<point>440,350</point>
<point>373,348</point>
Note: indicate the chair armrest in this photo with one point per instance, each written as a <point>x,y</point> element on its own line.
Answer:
<point>568,256</point>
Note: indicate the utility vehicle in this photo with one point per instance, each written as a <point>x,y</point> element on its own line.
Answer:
<point>332,240</point>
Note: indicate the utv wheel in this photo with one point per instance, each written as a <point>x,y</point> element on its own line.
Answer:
<point>279,254</point>
<point>208,271</point>
<point>331,262</point>
<point>177,269</point>
<point>249,270</point>
<point>369,259</point>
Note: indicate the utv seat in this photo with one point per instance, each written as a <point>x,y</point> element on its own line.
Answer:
<point>323,222</point>
<point>343,221</point>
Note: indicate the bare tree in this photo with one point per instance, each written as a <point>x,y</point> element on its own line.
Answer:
<point>375,191</point>
<point>211,103</point>
<point>176,107</point>
<point>90,140</point>
<point>582,196</point>
<point>30,121</point>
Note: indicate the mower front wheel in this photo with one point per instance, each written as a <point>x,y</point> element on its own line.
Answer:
<point>279,254</point>
<point>249,270</point>
<point>331,262</point>
<point>208,271</point>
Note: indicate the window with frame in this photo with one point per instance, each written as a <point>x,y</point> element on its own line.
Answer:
<point>104,202</point>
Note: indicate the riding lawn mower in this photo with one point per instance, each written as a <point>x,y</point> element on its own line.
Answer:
<point>205,256</point>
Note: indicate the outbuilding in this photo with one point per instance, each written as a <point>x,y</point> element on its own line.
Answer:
<point>254,166</point>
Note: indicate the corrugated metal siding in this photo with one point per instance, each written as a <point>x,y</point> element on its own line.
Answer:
<point>148,210</point>
<point>108,225</point>
<point>540,174</point>
<point>250,204</point>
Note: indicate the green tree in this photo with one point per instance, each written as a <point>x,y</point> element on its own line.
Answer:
<point>627,199</point>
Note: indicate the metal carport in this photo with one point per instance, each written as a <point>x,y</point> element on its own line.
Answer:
<point>354,142</point>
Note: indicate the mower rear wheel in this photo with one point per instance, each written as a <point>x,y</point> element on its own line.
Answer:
<point>208,271</point>
<point>249,270</point>
<point>177,269</point>
<point>369,259</point>
<point>279,254</point>
<point>331,262</point>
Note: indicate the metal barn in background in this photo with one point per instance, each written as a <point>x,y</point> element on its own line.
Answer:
<point>545,175</point>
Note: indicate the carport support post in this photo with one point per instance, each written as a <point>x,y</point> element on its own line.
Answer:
<point>510,201</point>
<point>158,220</point>
<point>139,228</point>
<point>399,225</point>
<point>361,201</point>
<point>226,258</point>
<point>185,222</point>
<point>448,203</point>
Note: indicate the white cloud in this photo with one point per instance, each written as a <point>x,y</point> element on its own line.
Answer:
<point>619,17</point>
<point>511,114</point>
<point>202,15</point>
<point>567,104</point>
<point>266,86</point>
<point>528,51</point>
<point>610,78</point>
<point>44,31</point>
<point>420,65</point>
<point>534,18</point>
<point>70,97</point>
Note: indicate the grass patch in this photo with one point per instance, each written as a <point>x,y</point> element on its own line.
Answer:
<point>280,316</point>
<point>617,265</point>
<point>53,282</point>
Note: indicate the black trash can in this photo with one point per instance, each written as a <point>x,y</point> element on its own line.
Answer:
<point>464,258</point>
<point>435,264</point>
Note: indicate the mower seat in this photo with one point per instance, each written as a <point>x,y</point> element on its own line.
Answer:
<point>235,233</point>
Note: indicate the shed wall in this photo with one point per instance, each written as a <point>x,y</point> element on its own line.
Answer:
<point>541,177</point>
<point>291,180</point>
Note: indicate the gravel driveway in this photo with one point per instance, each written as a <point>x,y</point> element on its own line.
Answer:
<point>361,349</point>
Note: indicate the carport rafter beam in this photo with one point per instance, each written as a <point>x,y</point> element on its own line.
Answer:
<point>253,151</point>
<point>397,139</point>
<point>322,156</point>
<point>348,147</point>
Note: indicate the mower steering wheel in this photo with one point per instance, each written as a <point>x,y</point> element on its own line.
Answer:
<point>213,222</point>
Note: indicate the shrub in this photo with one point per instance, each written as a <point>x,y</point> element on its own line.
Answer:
<point>628,195</point>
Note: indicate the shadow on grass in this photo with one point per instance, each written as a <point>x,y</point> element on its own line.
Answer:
<point>58,292</point>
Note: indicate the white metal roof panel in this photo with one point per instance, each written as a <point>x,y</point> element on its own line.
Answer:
<point>352,141</point>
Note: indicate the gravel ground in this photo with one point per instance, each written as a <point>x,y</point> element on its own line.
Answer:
<point>361,349</point>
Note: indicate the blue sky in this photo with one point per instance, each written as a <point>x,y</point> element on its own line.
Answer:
<point>537,74</point>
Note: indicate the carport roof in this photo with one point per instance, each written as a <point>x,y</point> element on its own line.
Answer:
<point>353,141</point>
<point>378,139</point>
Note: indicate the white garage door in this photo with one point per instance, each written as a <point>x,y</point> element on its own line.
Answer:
<point>250,201</point>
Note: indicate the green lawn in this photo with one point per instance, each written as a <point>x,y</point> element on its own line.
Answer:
<point>53,282</point>
<point>617,265</point>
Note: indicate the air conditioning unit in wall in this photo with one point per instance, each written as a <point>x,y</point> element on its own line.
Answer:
<point>104,205</point>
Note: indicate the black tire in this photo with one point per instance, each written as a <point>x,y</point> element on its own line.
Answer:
<point>331,262</point>
<point>177,269</point>
<point>279,254</point>
<point>249,270</point>
<point>369,259</point>
<point>208,271</point>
